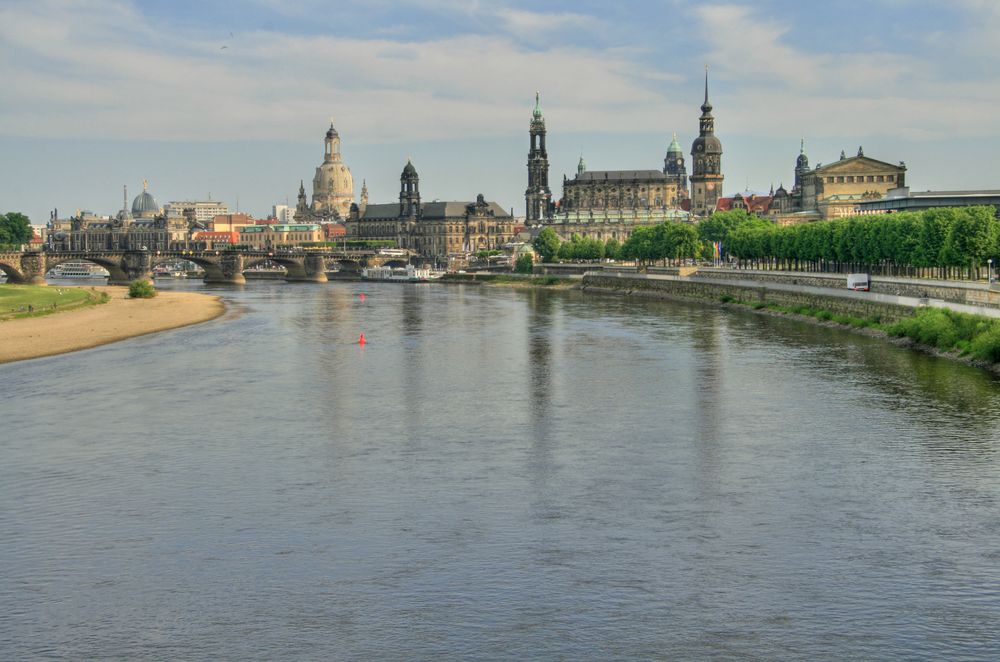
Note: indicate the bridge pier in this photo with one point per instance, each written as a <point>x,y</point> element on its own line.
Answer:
<point>33,268</point>
<point>313,270</point>
<point>136,265</point>
<point>230,271</point>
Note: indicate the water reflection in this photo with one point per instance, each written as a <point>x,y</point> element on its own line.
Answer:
<point>520,474</point>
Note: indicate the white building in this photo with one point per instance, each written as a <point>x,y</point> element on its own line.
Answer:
<point>283,214</point>
<point>204,210</point>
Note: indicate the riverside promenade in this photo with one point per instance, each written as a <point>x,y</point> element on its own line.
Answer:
<point>889,297</point>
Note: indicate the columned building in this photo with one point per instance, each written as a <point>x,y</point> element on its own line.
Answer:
<point>538,195</point>
<point>706,156</point>
<point>836,189</point>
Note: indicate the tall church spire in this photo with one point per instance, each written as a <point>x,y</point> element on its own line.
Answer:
<point>706,153</point>
<point>538,196</point>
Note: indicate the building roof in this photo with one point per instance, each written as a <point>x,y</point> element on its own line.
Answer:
<point>852,160</point>
<point>620,175</point>
<point>144,203</point>
<point>430,210</point>
<point>752,203</point>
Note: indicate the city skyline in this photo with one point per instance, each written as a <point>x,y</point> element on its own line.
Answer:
<point>235,103</point>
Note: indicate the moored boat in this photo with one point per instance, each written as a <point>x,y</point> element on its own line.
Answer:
<point>407,274</point>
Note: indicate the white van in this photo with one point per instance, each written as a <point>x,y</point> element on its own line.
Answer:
<point>858,282</point>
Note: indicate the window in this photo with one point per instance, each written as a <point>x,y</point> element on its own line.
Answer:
<point>892,178</point>
<point>879,178</point>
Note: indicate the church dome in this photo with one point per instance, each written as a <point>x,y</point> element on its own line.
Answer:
<point>706,145</point>
<point>144,203</point>
<point>409,170</point>
<point>332,132</point>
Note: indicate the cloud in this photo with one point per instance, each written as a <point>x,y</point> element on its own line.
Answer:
<point>97,68</point>
<point>781,88</point>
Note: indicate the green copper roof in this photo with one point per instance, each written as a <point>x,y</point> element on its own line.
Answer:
<point>675,147</point>
<point>537,114</point>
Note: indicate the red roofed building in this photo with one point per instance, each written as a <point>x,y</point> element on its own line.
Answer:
<point>752,203</point>
<point>333,231</point>
<point>216,240</point>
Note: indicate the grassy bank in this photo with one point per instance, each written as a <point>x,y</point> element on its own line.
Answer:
<point>960,335</point>
<point>20,301</point>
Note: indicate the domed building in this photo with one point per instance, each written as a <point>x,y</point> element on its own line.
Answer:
<point>144,205</point>
<point>333,185</point>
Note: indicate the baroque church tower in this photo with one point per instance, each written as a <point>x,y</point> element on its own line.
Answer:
<point>706,152</point>
<point>538,196</point>
<point>409,191</point>
<point>333,185</point>
<point>674,168</point>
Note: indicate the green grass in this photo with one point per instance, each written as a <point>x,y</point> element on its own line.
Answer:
<point>947,330</point>
<point>15,300</point>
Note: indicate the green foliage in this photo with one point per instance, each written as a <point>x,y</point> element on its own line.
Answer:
<point>948,330</point>
<point>658,242</point>
<point>612,249</point>
<point>141,289</point>
<point>963,236</point>
<point>581,248</point>
<point>524,264</point>
<point>546,244</point>
<point>15,229</point>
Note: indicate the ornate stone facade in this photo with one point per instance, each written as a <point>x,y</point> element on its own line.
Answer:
<point>538,195</point>
<point>706,156</point>
<point>333,186</point>
<point>432,229</point>
<point>149,229</point>
<point>834,190</point>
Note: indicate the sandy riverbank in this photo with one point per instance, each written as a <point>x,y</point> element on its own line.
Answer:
<point>116,320</point>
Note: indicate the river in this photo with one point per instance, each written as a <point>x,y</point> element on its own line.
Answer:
<point>497,474</point>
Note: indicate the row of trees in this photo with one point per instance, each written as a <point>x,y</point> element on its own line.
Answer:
<point>646,244</point>
<point>15,229</point>
<point>947,242</point>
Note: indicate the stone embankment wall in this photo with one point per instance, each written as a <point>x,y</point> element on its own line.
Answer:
<point>709,291</point>
<point>974,294</point>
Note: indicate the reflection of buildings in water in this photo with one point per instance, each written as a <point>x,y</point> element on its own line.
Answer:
<point>709,368</point>
<point>540,307</point>
<point>414,355</point>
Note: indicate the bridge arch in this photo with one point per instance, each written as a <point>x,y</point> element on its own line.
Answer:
<point>211,267</point>
<point>113,265</point>
<point>12,267</point>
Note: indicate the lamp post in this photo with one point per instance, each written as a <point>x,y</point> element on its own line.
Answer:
<point>989,270</point>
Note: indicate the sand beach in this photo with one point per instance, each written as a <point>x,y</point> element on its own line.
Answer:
<point>119,319</point>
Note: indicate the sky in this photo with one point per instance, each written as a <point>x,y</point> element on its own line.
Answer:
<point>231,100</point>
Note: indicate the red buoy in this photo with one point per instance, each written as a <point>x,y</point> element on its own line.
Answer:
<point>362,297</point>
<point>361,339</point>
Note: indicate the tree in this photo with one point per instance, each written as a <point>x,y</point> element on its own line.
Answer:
<point>525,264</point>
<point>612,248</point>
<point>141,289</point>
<point>15,228</point>
<point>546,244</point>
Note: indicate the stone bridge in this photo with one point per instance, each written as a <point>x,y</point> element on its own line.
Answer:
<point>219,266</point>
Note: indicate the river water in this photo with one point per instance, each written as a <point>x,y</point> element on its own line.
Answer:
<point>497,474</point>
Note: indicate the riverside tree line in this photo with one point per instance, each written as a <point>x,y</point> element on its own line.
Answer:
<point>952,242</point>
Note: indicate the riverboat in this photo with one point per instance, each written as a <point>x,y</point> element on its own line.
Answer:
<point>83,270</point>
<point>165,271</point>
<point>408,274</point>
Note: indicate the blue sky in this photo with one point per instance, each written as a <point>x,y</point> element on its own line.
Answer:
<point>101,93</point>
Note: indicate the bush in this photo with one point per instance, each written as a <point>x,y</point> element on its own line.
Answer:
<point>524,265</point>
<point>141,289</point>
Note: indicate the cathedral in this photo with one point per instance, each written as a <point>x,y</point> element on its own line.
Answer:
<point>333,187</point>
<point>432,229</point>
<point>608,204</point>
